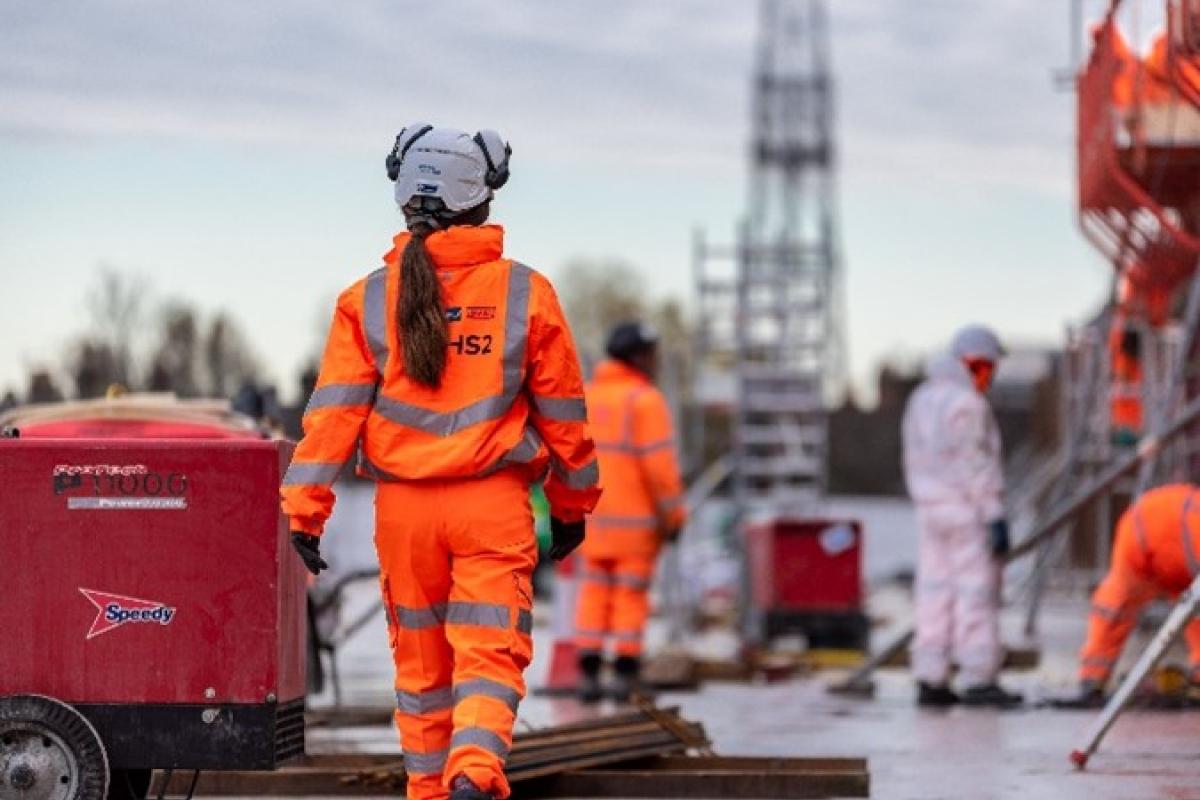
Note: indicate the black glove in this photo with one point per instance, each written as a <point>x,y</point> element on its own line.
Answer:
<point>564,537</point>
<point>998,535</point>
<point>670,535</point>
<point>309,548</point>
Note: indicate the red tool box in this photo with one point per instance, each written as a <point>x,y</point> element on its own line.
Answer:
<point>150,585</point>
<point>806,576</point>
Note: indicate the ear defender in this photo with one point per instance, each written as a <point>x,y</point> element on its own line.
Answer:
<point>404,141</point>
<point>496,152</point>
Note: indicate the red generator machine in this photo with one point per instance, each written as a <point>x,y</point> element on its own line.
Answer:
<point>153,612</point>
<point>805,576</point>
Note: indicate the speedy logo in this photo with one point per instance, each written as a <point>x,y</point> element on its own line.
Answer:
<point>114,610</point>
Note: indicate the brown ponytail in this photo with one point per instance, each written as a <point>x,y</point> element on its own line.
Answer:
<point>420,315</point>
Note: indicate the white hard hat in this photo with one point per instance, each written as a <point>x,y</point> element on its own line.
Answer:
<point>977,341</point>
<point>455,169</point>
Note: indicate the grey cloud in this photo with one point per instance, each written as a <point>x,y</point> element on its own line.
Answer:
<point>625,82</point>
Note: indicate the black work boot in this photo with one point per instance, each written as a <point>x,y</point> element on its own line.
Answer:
<point>463,788</point>
<point>1089,694</point>
<point>990,694</point>
<point>625,681</point>
<point>930,695</point>
<point>589,678</point>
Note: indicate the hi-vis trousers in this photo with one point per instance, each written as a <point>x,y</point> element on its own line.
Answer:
<point>614,603</point>
<point>456,559</point>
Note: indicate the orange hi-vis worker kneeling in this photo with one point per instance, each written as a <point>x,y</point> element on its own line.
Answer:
<point>1156,553</point>
<point>453,370</point>
<point>643,503</point>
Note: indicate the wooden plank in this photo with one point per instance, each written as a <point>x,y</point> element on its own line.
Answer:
<point>765,778</point>
<point>1018,658</point>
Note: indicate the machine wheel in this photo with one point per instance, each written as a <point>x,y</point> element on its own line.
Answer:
<point>129,784</point>
<point>49,751</point>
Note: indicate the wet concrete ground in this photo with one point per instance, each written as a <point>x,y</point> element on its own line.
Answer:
<point>962,753</point>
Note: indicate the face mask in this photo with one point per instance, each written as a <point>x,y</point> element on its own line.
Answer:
<point>981,372</point>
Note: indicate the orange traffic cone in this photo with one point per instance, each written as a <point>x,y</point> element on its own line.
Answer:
<point>563,675</point>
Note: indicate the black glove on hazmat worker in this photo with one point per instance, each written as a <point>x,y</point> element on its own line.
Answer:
<point>564,537</point>
<point>998,537</point>
<point>309,548</point>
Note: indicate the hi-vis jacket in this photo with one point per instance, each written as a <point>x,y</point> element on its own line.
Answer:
<point>644,488</point>
<point>511,395</point>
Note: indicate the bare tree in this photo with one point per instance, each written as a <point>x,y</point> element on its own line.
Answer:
<point>43,388</point>
<point>173,367</point>
<point>116,306</point>
<point>596,295</point>
<point>94,367</point>
<point>228,360</point>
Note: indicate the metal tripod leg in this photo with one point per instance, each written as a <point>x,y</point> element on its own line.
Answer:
<point>1174,624</point>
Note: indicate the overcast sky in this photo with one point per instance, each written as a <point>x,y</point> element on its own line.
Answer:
<point>233,153</point>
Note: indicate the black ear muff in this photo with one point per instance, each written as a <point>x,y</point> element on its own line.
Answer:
<point>497,172</point>
<point>400,150</point>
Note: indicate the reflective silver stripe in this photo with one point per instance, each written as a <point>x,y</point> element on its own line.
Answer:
<point>1139,528</point>
<point>524,452</point>
<point>482,687</point>
<point>596,577</point>
<point>616,447</point>
<point>635,450</point>
<point>1110,614</point>
<point>669,503</point>
<point>524,621</point>
<point>377,472</point>
<point>561,409</point>
<point>312,473</point>
<point>425,702</point>
<point>635,582</point>
<point>341,394</point>
<point>1098,661</point>
<point>516,335</point>
<point>426,763</point>
<point>481,738</point>
<point>627,636</point>
<point>516,328</point>
<point>587,633</point>
<point>488,615</point>
<point>1189,550</point>
<point>442,423</point>
<point>585,477</point>
<point>418,618</point>
<point>375,317</point>
<point>613,521</point>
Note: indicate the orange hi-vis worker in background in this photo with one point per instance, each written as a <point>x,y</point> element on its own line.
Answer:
<point>1156,553</point>
<point>642,505</point>
<point>453,370</point>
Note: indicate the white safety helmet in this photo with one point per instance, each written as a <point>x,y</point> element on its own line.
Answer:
<point>977,341</point>
<point>442,172</point>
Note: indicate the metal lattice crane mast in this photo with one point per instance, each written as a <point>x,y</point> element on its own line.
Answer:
<point>782,348</point>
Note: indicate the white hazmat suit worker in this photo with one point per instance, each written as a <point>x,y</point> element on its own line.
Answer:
<point>954,473</point>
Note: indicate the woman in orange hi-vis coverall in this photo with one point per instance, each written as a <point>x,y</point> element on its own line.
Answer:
<point>642,506</point>
<point>1156,553</point>
<point>453,370</point>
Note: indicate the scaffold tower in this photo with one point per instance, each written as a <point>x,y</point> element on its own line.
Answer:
<point>768,304</point>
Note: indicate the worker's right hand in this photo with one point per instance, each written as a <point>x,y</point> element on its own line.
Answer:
<point>670,535</point>
<point>309,548</point>
<point>998,537</point>
<point>564,537</point>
